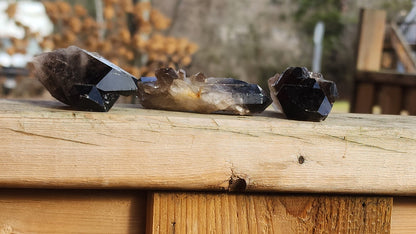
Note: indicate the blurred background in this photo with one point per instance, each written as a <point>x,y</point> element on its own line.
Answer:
<point>242,39</point>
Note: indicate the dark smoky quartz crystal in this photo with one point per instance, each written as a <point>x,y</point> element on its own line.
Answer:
<point>83,80</point>
<point>302,95</point>
<point>172,90</point>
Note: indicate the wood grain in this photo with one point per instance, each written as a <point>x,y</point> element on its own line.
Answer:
<point>403,218</point>
<point>237,213</point>
<point>410,101</point>
<point>390,99</point>
<point>47,145</point>
<point>364,98</point>
<point>371,38</point>
<point>72,211</point>
<point>369,55</point>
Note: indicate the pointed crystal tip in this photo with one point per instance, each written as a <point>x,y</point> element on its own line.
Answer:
<point>83,80</point>
<point>302,95</point>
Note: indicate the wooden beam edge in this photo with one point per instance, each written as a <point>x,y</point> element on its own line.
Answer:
<point>145,149</point>
<point>388,78</point>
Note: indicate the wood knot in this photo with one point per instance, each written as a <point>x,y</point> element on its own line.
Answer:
<point>301,159</point>
<point>6,229</point>
<point>237,184</point>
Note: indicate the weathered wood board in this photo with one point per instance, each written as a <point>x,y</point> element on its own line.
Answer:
<point>390,99</point>
<point>239,213</point>
<point>365,92</point>
<point>72,211</point>
<point>403,219</point>
<point>47,145</point>
<point>371,39</point>
<point>410,101</point>
<point>369,56</point>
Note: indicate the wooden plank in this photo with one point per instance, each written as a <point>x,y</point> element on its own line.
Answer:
<point>273,214</point>
<point>152,204</point>
<point>387,78</point>
<point>390,99</point>
<point>47,145</point>
<point>71,211</point>
<point>364,98</point>
<point>371,38</point>
<point>403,218</point>
<point>369,56</point>
<point>403,50</point>
<point>410,101</point>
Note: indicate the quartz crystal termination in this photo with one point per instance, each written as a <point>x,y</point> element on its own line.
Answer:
<point>302,95</point>
<point>83,80</point>
<point>171,90</point>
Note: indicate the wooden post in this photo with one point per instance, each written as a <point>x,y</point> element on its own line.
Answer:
<point>364,97</point>
<point>177,212</point>
<point>390,99</point>
<point>410,100</point>
<point>370,44</point>
<point>369,53</point>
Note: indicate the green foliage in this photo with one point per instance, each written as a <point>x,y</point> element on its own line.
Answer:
<point>392,7</point>
<point>310,12</point>
<point>310,6</point>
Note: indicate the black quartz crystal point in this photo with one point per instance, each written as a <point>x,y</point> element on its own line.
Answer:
<point>83,80</point>
<point>302,95</point>
<point>171,90</point>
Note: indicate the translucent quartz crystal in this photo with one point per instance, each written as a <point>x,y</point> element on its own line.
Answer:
<point>302,95</point>
<point>83,80</point>
<point>171,90</point>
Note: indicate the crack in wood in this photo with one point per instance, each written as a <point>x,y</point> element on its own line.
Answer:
<point>289,136</point>
<point>366,145</point>
<point>49,137</point>
<point>216,130</point>
<point>407,138</point>
<point>126,138</point>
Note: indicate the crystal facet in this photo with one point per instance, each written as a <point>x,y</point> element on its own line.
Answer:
<point>171,90</point>
<point>82,79</point>
<point>302,95</point>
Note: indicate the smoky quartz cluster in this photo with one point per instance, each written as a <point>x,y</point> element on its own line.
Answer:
<point>87,81</point>
<point>172,90</point>
<point>83,80</point>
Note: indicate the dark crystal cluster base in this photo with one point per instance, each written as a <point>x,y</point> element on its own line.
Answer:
<point>83,80</point>
<point>302,95</point>
<point>171,90</point>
